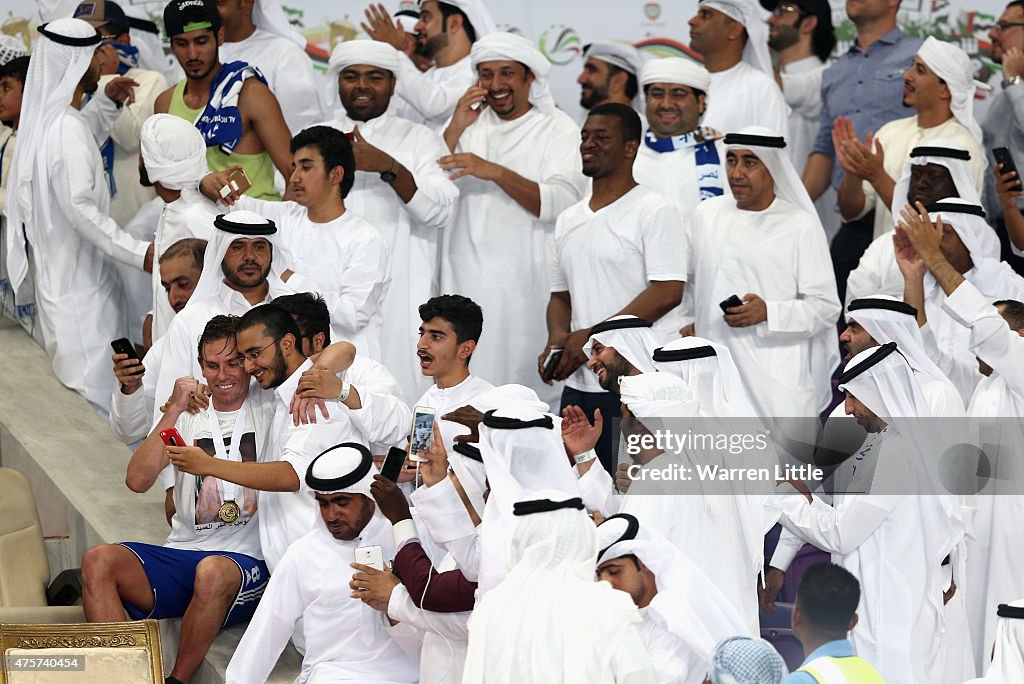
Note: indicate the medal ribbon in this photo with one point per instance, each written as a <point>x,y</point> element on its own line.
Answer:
<point>228,490</point>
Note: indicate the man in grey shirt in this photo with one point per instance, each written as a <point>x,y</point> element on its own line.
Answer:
<point>1003,126</point>
<point>866,85</point>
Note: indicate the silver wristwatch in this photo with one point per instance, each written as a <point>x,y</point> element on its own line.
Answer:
<point>1014,80</point>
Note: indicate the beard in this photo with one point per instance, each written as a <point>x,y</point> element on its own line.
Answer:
<point>431,46</point>
<point>785,37</point>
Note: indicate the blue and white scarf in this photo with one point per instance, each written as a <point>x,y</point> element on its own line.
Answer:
<point>709,165</point>
<point>221,122</point>
<point>127,55</point>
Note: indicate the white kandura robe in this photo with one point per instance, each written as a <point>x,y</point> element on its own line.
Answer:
<point>289,72</point>
<point>781,255</point>
<point>429,97</point>
<point>889,543</point>
<point>345,639</point>
<point>744,96</point>
<point>346,260</point>
<point>674,175</point>
<point>78,294</point>
<point>189,216</point>
<point>497,253</point>
<point>994,550</point>
<point>412,231</point>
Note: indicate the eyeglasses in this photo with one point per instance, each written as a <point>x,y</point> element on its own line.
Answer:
<point>1003,25</point>
<point>255,355</point>
<point>783,9</point>
<point>674,93</point>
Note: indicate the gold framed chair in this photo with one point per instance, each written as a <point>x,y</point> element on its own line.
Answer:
<point>99,652</point>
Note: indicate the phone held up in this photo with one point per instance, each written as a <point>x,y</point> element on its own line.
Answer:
<point>371,556</point>
<point>391,468</point>
<point>421,437</point>
<point>730,302</point>
<point>124,346</point>
<point>171,437</point>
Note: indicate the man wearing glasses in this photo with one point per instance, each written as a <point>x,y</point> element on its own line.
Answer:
<point>1003,126</point>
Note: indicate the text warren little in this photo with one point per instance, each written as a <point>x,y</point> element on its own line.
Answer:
<point>707,473</point>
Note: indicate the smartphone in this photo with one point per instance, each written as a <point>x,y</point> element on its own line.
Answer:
<point>730,302</point>
<point>371,556</point>
<point>1002,156</point>
<point>124,346</point>
<point>238,182</point>
<point>171,437</point>
<point>551,362</point>
<point>392,465</point>
<point>421,437</point>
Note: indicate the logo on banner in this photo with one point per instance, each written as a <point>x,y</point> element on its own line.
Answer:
<point>652,11</point>
<point>560,45</point>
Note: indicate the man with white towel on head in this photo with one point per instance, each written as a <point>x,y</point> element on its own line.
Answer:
<point>610,74</point>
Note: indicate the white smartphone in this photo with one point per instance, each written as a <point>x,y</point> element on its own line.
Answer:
<point>421,437</point>
<point>371,556</point>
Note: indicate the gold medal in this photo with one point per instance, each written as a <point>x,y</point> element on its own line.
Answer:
<point>229,512</point>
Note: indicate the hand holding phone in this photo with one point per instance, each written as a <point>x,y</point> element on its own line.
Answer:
<point>393,462</point>
<point>171,437</point>
<point>551,362</point>
<point>1002,156</point>
<point>730,303</point>
<point>421,437</point>
<point>124,346</point>
<point>370,556</point>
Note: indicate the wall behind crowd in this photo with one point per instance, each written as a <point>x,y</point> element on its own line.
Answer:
<point>561,29</point>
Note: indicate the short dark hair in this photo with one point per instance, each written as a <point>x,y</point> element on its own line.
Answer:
<point>828,596</point>
<point>194,247</point>
<point>1012,310</point>
<point>629,120</point>
<point>451,11</point>
<point>632,85</point>
<point>310,313</point>
<point>1015,3</point>
<point>16,68</point>
<point>463,313</point>
<point>334,147</point>
<point>219,327</point>
<point>276,322</point>
<point>823,40</point>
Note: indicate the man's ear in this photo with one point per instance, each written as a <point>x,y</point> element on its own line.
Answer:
<point>631,149</point>
<point>809,23</point>
<point>466,349</point>
<point>336,175</point>
<point>617,83</point>
<point>853,622</point>
<point>288,342</point>
<point>454,24</point>
<point>736,30</point>
<point>220,36</point>
<point>318,341</point>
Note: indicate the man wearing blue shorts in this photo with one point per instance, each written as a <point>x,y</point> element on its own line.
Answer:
<point>211,571</point>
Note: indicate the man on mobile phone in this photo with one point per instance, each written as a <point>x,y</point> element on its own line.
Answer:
<point>345,640</point>
<point>211,570</point>
<point>399,188</point>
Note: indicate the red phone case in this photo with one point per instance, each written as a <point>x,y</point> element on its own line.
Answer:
<point>171,437</point>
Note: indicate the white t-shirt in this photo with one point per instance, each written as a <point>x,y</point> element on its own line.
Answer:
<point>604,259</point>
<point>195,525</point>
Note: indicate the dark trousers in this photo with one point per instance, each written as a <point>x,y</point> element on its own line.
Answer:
<point>848,246</point>
<point>611,409</point>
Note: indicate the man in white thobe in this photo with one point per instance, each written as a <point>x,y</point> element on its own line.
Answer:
<point>574,629</point>
<point>399,189</point>
<point>333,251</point>
<point>894,538</point>
<point>665,585</point>
<point>611,73</point>
<point>344,639</point>
<point>258,32</point>
<point>730,35</point>
<point>58,220</point>
<point>765,246</point>
<point>174,160</point>
<point>515,156</point>
<point>445,34</point>
<point>994,549</point>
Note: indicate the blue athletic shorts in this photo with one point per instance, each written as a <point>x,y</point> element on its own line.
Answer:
<point>172,574</point>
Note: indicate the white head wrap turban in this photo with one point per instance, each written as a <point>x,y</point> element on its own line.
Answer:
<point>1008,656</point>
<point>742,660</point>
<point>748,13</point>
<point>675,70</point>
<point>657,395</point>
<point>228,228</point>
<point>53,74</point>
<point>476,12</point>
<point>887,385</point>
<point>173,152</point>
<point>989,272</point>
<point>888,319</point>
<point>352,52</point>
<point>632,339</point>
<point>953,66</point>
<point>712,376</point>
<point>269,16</point>
<point>688,601</point>
<point>509,395</point>
<point>621,55</point>
<point>11,48</point>
<point>945,153</point>
<point>346,468</point>
<point>497,47</point>
<point>788,184</point>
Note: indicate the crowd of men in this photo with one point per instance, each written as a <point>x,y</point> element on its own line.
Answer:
<point>781,236</point>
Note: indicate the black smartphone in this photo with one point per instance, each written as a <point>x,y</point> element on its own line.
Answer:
<point>392,465</point>
<point>124,346</point>
<point>551,362</point>
<point>730,302</point>
<point>1002,156</point>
